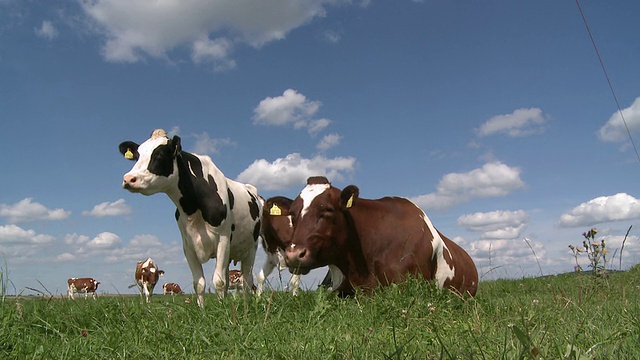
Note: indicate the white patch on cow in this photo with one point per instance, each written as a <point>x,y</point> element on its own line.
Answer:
<point>309,193</point>
<point>444,271</point>
<point>152,270</point>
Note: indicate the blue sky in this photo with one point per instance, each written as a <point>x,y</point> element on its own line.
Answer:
<point>495,117</point>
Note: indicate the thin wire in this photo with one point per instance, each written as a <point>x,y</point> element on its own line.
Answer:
<point>606,75</point>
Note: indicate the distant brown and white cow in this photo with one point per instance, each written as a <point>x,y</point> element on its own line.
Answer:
<point>373,242</point>
<point>218,218</point>
<point>171,288</point>
<point>147,276</point>
<point>277,230</point>
<point>236,281</point>
<point>86,285</point>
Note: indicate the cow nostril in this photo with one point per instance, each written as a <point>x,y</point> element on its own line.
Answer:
<point>130,179</point>
<point>302,254</point>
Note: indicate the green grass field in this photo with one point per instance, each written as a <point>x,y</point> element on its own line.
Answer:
<point>572,316</point>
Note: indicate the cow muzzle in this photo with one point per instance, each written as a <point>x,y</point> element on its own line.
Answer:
<point>297,259</point>
<point>130,182</point>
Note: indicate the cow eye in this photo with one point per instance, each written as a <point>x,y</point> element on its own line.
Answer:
<point>327,212</point>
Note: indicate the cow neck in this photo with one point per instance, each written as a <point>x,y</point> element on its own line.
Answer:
<point>355,261</point>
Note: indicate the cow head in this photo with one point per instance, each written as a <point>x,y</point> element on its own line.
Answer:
<point>276,223</point>
<point>320,216</point>
<point>155,169</point>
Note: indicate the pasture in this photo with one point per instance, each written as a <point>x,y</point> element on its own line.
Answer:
<point>568,316</point>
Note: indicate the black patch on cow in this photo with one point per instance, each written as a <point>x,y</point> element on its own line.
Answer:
<point>254,209</point>
<point>256,231</point>
<point>129,146</point>
<point>197,192</point>
<point>161,161</point>
<point>177,215</point>
<point>232,199</point>
<point>233,227</point>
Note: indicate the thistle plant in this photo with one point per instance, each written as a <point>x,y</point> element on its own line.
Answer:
<point>596,252</point>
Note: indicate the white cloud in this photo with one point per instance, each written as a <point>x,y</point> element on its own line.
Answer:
<point>206,145</point>
<point>26,210</point>
<point>615,131</point>
<point>293,170</point>
<point>15,235</point>
<point>492,180</point>
<point>134,29</point>
<point>214,51</point>
<point>521,122</point>
<point>102,242</point>
<point>328,142</point>
<point>145,241</point>
<point>75,239</point>
<point>332,36</point>
<point>508,256</point>
<point>291,108</point>
<point>115,208</point>
<point>500,224</point>
<point>618,207</point>
<point>47,31</point>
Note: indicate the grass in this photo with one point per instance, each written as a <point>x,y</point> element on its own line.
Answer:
<point>568,316</point>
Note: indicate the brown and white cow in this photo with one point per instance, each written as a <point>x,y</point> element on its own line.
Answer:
<point>373,242</point>
<point>147,276</point>
<point>277,230</point>
<point>86,285</point>
<point>236,281</point>
<point>218,218</point>
<point>171,288</point>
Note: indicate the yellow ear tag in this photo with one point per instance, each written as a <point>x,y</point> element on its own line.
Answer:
<point>350,202</point>
<point>128,154</point>
<point>275,210</point>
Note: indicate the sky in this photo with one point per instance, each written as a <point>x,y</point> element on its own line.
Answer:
<point>495,117</point>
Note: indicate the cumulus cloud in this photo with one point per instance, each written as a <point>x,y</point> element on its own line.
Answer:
<point>492,255</point>
<point>104,241</point>
<point>521,122</point>
<point>15,235</point>
<point>145,241</point>
<point>293,170</point>
<point>500,224</point>
<point>115,208</point>
<point>291,108</point>
<point>206,145</point>
<point>26,210</point>
<point>134,29</point>
<point>328,142</point>
<point>615,131</point>
<point>618,207</point>
<point>493,179</point>
<point>47,31</point>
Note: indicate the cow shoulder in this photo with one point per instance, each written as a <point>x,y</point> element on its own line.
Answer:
<point>199,190</point>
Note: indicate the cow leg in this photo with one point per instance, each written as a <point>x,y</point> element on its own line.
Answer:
<point>246,266</point>
<point>70,292</point>
<point>199,282</point>
<point>93,294</point>
<point>294,284</point>
<point>336,277</point>
<point>269,264</point>
<point>221,273</point>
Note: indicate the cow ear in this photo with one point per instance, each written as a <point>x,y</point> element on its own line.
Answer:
<point>349,196</point>
<point>177,147</point>
<point>129,150</point>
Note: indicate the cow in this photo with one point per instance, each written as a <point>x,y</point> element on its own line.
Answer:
<point>171,288</point>
<point>86,285</point>
<point>373,242</point>
<point>146,277</point>
<point>217,217</point>
<point>236,281</point>
<point>277,230</point>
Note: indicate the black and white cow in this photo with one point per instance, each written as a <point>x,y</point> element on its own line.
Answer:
<point>218,217</point>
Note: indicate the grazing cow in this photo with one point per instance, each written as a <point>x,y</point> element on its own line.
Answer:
<point>217,217</point>
<point>171,288</point>
<point>86,285</point>
<point>147,276</point>
<point>373,242</point>
<point>277,230</point>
